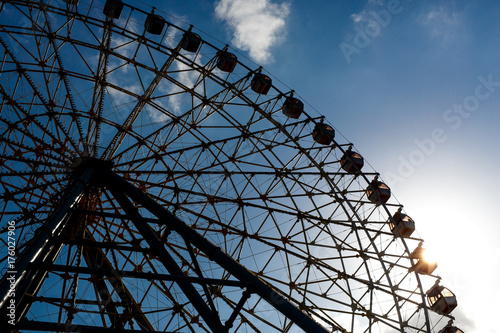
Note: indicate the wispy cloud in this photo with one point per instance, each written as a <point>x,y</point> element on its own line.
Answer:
<point>255,25</point>
<point>467,324</point>
<point>176,95</point>
<point>368,24</point>
<point>443,21</point>
<point>365,16</point>
<point>176,99</point>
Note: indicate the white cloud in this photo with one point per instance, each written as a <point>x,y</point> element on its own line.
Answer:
<point>256,25</point>
<point>366,14</point>
<point>464,320</point>
<point>369,19</point>
<point>176,96</point>
<point>156,115</point>
<point>442,14</point>
<point>443,21</point>
<point>358,17</point>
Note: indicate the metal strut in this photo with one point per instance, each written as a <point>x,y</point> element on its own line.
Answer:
<point>164,256</point>
<point>121,189</point>
<point>39,249</point>
<point>141,103</point>
<point>124,192</point>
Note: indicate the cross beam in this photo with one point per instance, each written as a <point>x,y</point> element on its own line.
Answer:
<point>120,186</point>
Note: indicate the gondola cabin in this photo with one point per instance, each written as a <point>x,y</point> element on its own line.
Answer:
<point>378,192</point>
<point>451,329</point>
<point>351,162</point>
<point>191,41</point>
<point>154,24</point>
<point>441,300</point>
<point>402,225</point>
<point>261,83</point>
<point>423,265</point>
<point>113,8</point>
<point>323,134</point>
<point>293,107</point>
<point>226,61</point>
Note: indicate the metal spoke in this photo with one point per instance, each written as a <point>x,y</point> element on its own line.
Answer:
<point>217,206</point>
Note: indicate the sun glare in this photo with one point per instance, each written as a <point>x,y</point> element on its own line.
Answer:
<point>430,255</point>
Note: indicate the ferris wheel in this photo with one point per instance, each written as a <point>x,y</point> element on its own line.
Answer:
<point>151,181</point>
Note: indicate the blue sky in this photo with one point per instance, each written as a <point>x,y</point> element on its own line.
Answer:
<point>418,97</point>
<point>415,85</point>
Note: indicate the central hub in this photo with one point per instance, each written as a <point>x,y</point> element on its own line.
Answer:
<point>100,167</point>
<point>81,163</point>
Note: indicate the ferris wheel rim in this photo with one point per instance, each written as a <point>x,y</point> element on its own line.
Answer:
<point>291,140</point>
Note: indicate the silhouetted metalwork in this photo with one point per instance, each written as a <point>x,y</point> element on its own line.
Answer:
<point>152,182</point>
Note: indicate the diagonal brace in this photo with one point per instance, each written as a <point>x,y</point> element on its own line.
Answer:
<point>256,285</point>
<point>164,256</point>
<point>40,243</point>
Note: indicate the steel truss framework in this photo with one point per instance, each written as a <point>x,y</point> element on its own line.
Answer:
<point>67,228</point>
<point>147,190</point>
